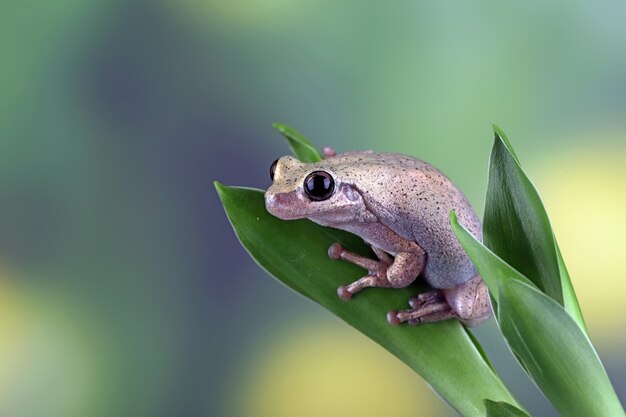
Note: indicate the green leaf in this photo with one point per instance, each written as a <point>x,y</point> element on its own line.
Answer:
<point>556,352</point>
<point>295,252</point>
<point>499,132</point>
<point>301,147</point>
<point>517,228</point>
<point>569,296</point>
<point>546,333</point>
<point>552,348</point>
<point>478,347</point>
<point>490,266</point>
<point>502,409</point>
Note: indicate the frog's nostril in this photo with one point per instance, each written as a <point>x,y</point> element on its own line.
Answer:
<point>283,205</point>
<point>281,198</point>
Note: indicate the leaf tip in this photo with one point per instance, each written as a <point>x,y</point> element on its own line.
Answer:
<point>220,188</point>
<point>280,127</point>
<point>453,218</point>
<point>502,138</point>
<point>497,130</point>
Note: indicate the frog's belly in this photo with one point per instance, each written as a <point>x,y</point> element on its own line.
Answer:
<point>445,270</point>
<point>447,264</point>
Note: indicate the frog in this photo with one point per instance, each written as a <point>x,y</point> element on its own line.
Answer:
<point>400,206</point>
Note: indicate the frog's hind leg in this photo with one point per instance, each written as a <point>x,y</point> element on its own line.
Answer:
<point>426,307</point>
<point>468,302</point>
<point>426,298</point>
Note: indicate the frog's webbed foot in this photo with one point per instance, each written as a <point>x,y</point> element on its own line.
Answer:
<point>377,270</point>
<point>426,307</point>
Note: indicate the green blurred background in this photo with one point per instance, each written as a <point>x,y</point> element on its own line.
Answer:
<point>124,292</point>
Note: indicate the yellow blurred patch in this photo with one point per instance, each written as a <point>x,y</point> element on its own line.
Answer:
<point>584,192</point>
<point>328,369</point>
<point>46,364</point>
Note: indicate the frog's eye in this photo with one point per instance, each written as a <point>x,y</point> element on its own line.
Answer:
<point>273,169</point>
<point>319,185</point>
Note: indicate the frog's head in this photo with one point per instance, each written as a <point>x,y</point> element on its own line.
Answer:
<point>314,191</point>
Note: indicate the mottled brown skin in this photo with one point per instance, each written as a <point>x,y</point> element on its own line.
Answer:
<point>400,206</point>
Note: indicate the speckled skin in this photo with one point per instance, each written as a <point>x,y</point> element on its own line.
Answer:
<point>395,203</point>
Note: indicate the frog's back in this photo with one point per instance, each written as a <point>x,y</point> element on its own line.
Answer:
<point>414,199</point>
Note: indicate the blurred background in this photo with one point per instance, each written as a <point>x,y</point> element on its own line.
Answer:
<point>123,290</point>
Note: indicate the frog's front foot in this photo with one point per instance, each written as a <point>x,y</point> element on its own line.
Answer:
<point>377,271</point>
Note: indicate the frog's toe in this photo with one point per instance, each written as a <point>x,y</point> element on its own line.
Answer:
<point>425,298</point>
<point>335,250</point>
<point>343,293</point>
<point>392,318</point>
<point>328,152</point>
<point>425,313</point>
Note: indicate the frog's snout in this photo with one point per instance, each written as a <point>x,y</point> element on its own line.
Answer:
<point>270,202</point>
<point>282,205</point>
<point>275,201</point>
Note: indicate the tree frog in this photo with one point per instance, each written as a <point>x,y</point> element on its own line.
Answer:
<point>400,206</point>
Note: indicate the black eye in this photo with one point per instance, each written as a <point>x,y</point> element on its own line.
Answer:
<point>273,169</point>
<point>319,185</point>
